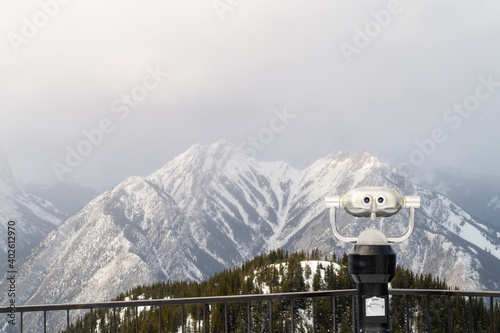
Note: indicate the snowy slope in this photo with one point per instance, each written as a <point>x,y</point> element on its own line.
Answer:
<point>213,207</point>
<point>282,268</point>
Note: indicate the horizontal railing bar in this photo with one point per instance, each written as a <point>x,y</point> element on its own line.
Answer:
<point>180,301</point>
<point>438,292</point>
<point>241,298</point>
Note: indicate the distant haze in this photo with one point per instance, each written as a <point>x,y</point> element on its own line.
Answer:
<point>94,91</point>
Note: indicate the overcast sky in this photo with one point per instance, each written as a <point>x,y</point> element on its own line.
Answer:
<point>95,91</point>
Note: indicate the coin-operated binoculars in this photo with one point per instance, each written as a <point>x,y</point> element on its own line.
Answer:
<point>372,262</point>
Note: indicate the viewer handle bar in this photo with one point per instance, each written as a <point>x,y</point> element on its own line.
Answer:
<point>333,203</point>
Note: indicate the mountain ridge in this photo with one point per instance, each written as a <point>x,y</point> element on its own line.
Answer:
<point>213,207</point>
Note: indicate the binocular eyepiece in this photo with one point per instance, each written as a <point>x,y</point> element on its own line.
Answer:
<point>372,202</point>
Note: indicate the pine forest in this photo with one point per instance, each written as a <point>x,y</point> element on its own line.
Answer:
<point>282,272</point>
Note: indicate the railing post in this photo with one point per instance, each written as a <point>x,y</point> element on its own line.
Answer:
<point>225,317</point>
<point>492,315</point>
<point>270,316</point>
<point>91,319</point>
<point>249,313</point>
<point>449,313</point>
<point>470,314</point>
<point>136,319</point>
<point>428,313</point>
<point>314,315</point>
<point>45,321</point>
<point>204,318</point>
<point>334,306</point>
<point>22,322</point>
<point>407,314</point>
<point>293,316</point>
<point>159,320</point>
<point>114,319</point>
<point>354,328</point>
<point>182,318</point>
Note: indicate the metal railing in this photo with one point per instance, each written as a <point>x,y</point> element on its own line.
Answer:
<point>447,294</point>
<point>292,297</point>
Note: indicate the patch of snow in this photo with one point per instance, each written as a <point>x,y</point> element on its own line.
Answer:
<point>475,236</point>
<point>494,203</point>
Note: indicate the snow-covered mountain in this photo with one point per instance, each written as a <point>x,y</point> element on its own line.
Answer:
<point>213,207</point>
<point>34,216</point>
